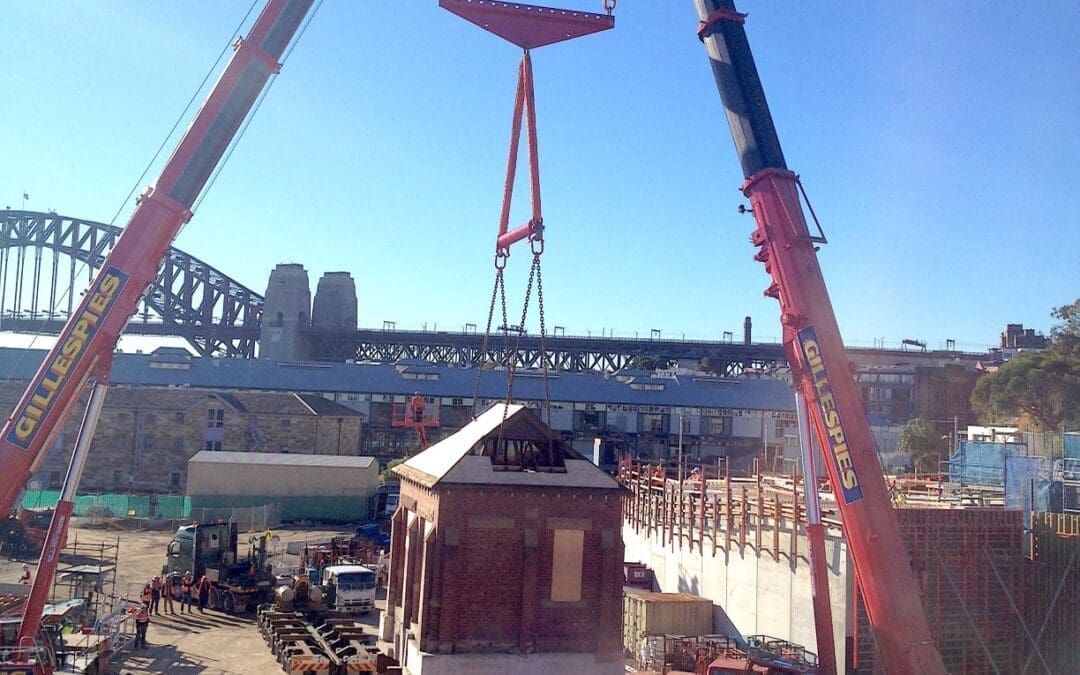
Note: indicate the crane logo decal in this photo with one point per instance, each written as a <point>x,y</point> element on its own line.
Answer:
<point>52,380</point>
<point>830,416</point>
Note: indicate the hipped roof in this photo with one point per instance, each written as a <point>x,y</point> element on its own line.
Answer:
<point>453,460</point>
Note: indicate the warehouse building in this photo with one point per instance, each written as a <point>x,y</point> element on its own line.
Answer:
<point>317,408</point>
<point>328,488</point>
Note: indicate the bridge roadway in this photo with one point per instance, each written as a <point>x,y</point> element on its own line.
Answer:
<point>578,353</point>
<point>564,353</point>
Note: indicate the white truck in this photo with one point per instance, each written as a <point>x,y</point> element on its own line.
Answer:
<point>348,588</point>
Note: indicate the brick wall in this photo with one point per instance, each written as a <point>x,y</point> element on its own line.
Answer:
<point>483,584</point>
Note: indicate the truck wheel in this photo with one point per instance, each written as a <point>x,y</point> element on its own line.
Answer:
<point>214,601</point>
<point>228,602</point>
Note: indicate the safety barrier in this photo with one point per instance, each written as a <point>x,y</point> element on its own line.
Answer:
<point>115,505</point>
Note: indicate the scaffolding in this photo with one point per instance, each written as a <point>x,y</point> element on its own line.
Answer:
<point>88,573</point>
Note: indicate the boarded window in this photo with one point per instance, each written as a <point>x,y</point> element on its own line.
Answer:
<point>566,557</point>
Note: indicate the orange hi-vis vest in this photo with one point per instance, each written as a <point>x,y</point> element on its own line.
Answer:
<point>146,594</point>
<point>185,585</point>
<point>142,615</point>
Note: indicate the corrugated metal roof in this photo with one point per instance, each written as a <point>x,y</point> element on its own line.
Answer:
<point>280,459</point>
<point>345,378</point>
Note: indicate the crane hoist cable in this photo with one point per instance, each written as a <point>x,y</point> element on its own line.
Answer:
<point>54,309</point>
<point>528,27</point>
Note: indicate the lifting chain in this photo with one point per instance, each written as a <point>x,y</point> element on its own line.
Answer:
<point>483,356</point>
<point>543,336</point>
<point>511,356</point>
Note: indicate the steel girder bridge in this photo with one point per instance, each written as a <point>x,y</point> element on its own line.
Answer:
<point>46,259</point>
<point>563,353</point>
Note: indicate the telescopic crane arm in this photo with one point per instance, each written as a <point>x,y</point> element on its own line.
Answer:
<point>91,333</point>
<point>815,351</point>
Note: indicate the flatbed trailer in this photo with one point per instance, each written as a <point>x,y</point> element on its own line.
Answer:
<point>317,642</point>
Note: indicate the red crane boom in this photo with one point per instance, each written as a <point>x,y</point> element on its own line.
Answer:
<point>86,344</point>
<point>815,351</point>
<point>133,263</point>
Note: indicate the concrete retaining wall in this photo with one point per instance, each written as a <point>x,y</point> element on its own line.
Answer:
<point>758,594</point>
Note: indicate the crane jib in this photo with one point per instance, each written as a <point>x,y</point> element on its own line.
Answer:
<point>830,416</point>
<point>52,382</point>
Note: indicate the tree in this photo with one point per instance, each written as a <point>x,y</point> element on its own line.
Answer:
<point>650,363</point>
<point>1044,386</point>
<point>1041,386</point>
<point>921,440</point>
<point>388,476</point>
<point>1070,328</point>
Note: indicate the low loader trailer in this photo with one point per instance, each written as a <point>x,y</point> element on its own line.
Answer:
<point>306,643</point>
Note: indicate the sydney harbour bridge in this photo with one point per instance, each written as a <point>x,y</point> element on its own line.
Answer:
<point>47,259</point>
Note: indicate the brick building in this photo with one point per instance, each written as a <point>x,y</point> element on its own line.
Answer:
<point>506,554</point>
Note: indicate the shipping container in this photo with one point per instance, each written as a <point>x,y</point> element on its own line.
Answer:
<point>647,613</point>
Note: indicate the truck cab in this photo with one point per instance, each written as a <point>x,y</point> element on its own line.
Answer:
<point>236,583</point>
<point>194,548</point>
<point>348,588</point>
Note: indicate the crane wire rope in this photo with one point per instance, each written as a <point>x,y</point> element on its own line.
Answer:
<point>82,266</point>
<point>251,115</point>
<point>180,118</point>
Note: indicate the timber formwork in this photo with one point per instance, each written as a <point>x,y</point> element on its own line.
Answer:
<point>1053,601</point>
<point>971,566</point>
<point>970,562</point>
<point>710,511</point>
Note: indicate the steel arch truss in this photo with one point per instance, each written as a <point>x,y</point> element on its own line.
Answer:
<point>213,312</point>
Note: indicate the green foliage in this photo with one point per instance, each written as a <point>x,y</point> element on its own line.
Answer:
<point>1042,386</point>
<point>1070,327</point>
<point>922,441</point>
<point>650,363</point>
<point>388,476</point>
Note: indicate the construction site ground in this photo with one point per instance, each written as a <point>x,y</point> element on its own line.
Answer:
<point>205,644</point>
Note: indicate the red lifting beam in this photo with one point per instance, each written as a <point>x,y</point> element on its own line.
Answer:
<point>529,27</point>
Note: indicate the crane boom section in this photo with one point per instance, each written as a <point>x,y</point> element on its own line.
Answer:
<point>132,265</point>
<point>815,350</point>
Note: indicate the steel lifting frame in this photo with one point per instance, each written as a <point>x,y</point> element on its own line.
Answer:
<point>528,27</point>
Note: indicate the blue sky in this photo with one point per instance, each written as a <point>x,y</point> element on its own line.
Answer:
<point>938,143</point>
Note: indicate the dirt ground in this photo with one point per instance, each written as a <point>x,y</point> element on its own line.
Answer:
<point>205,644</point>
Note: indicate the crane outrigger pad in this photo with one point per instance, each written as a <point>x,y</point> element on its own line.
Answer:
<point>529,26</point>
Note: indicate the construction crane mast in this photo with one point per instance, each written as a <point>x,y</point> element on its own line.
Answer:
<point>86,344</point>
<point>815,350</point>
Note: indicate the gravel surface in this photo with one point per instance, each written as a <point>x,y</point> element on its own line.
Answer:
<point>206,644</point>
